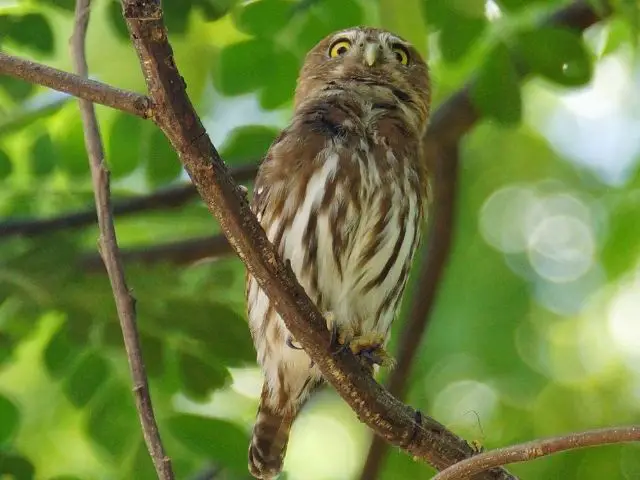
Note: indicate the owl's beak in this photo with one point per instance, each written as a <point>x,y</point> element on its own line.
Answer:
<point>371,53</point>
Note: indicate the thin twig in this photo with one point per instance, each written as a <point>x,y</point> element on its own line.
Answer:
<point>397,423</point>
<point>76,85</point>
<point>429,279</point>
<point>539,448</point>
<point>108,247</point>
<point>450,122</point>
<point>171,197</point>
<point>180,252</point>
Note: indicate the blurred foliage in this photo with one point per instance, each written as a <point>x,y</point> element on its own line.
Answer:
<point>536,328</point>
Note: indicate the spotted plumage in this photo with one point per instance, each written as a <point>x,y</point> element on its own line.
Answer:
<point>342,195</point>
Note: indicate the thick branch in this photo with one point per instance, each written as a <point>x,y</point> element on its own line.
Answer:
<point>76,85</point>
<point>450,122</point>
<point>108,246</point>
<point>539,448</point>
<point>172,197</point>
<point>175,115</point>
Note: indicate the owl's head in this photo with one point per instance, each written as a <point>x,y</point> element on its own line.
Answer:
<point>363,57</point>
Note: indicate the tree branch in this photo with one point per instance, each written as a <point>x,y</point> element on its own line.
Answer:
<point>397,423</point>
<point>108,247</point>
<point>171,197</point>
<point>539,448</point>
<point>450,122</point>
<point>179,252</point>
<point>76,85</point>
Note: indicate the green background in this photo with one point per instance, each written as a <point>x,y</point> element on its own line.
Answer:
<point>536,331</point>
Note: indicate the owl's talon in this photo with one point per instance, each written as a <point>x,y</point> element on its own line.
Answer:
<point>290,344</point>
<point>370,348</point>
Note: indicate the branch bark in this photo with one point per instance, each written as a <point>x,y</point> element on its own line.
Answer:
<point>450,122</point>
<point>539,448</point>
<point>174,113</point>
<point>108,247</point>
<point>76,85</point>
<point>172,197</point>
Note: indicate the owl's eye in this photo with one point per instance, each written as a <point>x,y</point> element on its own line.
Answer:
<point>339,48</point>
<point>401,53</point>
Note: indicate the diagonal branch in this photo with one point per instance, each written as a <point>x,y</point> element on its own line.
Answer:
<point>108,247</point>
<point>387,416</point>
<point>539,448</point>
<point>171,197</point>
<point>76,85</point>
<point>450,122</point>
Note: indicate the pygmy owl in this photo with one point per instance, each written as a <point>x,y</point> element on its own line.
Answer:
<point>342,195</point>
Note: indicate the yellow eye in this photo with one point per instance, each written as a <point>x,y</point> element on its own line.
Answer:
<point>401,53</point>
<point>339,48</point>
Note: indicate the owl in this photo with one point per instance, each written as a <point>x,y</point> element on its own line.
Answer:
<point>342,195</point>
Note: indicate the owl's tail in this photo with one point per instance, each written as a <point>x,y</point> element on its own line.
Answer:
<point>269,441</point>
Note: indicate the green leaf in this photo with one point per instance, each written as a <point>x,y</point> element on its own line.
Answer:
<point>112,421</point>
<point>31,30</point>
<point>214,439</point>
<point>72,153</point>
<point>9,419</point>
<point>123,150</point>
<point>153,354</point>
<point>176,15</point>
<point>60,353</point>
<point>496,92</point>
<point>350,13</point>
<point>247,143</point>
<point>281,82</point>
<point>89,374</point>
<point>43,156</point>
<point>214,9</point>
<point>263,18</point>
<point>16,467</point>
<point>557,54</point>
<point>6,165</point>
<point>68,5</point>
<point>622,247</point>
<point>241,66</point>
<point>114,12</point>
<point>198,377</point>
<point>457,38</point>
<point>16,88</point>
<point>162,165</point>
<point>6,347</point>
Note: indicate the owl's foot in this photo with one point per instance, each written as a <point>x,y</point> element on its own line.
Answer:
<point>369,347</point>
<point>340,335</point>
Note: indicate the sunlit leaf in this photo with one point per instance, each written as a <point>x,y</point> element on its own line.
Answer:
<point>112,421</point>
<point>557,54</point>
<point>89,374</point>
<point>68,5</point>
<point>263,18</point>
<point>496,91</point>
<point>6,165</point>
<point>199,377</point>
<point>248,143</point>
<point>43,156</point>
<point>211,438</point>
<point>9,419</point>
